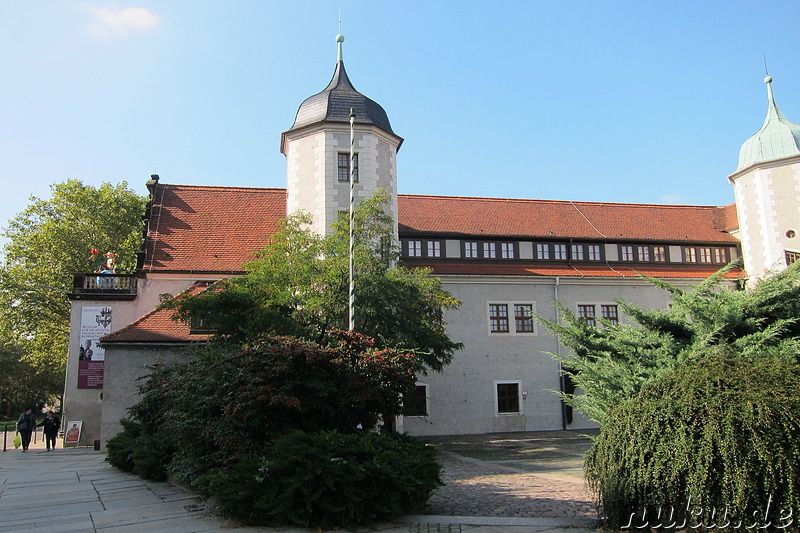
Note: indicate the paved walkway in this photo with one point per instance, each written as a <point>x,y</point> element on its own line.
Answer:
<point>74,490</point>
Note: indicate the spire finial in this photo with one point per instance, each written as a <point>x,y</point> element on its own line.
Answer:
<point>340,38</point>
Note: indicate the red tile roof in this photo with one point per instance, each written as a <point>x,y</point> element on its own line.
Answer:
<point>217,229</point>
<point>210,229</point>
<point>551,219</point>
<point>157,326</point>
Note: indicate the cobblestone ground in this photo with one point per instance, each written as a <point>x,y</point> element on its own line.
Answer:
<point>482,488</point>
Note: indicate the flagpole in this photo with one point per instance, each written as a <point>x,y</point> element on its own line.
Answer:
<point>351,302</point>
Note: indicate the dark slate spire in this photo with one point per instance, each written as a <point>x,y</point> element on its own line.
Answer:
<point>333,104</point>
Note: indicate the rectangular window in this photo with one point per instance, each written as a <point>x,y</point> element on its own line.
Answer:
<point>498,318</point>
<point>507,250</point>
<point>560,252</point>
<point>705,255</point>
<point>609,312</point>
<point>690,255</point>
<point>471,250</point>
<point>594,252</point>
<point>507,398</point>
<point>659,254</point>
<point>523,318</point>
<point>577,252</point>
<point>792,257</point>
<point>720,257</point>
<point>626,253</point>
<point>643,254</point>
<point>344,166</point>
<point>489,250</point>
<point>542,251</point>
<point>414,248</point>
<point>416,402</point>
<point>586,312</point>
<point>434,249</point>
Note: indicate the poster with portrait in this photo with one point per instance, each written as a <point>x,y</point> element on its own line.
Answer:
<point>95,323</point>
<point>72,432</point>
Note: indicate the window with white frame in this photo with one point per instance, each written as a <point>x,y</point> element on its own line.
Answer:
<point>720,256</point>
<point>560,252</point>
<point>507,250</point>
<point>542,251</point>
<point>471,250</point>
<point>659,254</point>
<point>705,254</point>
<point>489,250</point>
<point>434,248</point>
<point>415,403</point>
<point>507,398</point>
<point>414,248</point>
<point>690,255</point>
<point>576,250</point>
<point>643,254</point>
<point>626,253</point>
<point>593,251</point>
<point>498,318</point>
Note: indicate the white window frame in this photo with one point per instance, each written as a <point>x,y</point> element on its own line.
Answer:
<point>542,251</point>
<point>626,253</point>
<point>520,403</point>
<point>471,250</point>
<point>434,248</point>
<point>594,252</point>
<point>414,248</point>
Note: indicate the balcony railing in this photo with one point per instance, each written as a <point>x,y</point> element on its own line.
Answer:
<point>103,286</point>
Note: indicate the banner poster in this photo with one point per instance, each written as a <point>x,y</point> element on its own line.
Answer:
<point>95,322</point>
<point>72,433</point>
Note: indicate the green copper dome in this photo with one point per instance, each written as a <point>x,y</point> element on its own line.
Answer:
<point>778,138</point>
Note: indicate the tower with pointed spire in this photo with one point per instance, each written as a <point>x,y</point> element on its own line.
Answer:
<point>317,150</point>
<point>767,189</point>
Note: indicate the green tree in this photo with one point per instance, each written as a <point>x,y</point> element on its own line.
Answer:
<point>299,286</point>
<point>611,362</point>
<point>48,242</point>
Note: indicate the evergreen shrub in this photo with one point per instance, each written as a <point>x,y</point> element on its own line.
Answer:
<point>327,479</point>
<point>715,440</point>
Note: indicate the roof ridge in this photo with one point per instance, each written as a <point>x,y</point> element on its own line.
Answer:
<point>565,202</point>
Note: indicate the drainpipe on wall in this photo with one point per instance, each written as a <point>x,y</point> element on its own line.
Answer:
<point>558,353</point>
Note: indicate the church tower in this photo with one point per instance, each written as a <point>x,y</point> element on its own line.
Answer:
<point>767,189</point>
<point>317,150</point>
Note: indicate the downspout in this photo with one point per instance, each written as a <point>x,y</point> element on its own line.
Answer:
<point>558,353</point>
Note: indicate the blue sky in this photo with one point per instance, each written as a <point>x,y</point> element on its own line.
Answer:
<point>643,102</point>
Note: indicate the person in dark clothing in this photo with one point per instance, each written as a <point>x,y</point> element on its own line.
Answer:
<point>26,426</point>
<point>51,426</point>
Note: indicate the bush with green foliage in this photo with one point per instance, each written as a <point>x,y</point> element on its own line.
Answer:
<point>610,363</point>
<point>721,432</point>
<point>327,480</point>
<point>217,407</point>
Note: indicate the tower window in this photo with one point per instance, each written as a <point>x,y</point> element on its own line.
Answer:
<point>344,166</point>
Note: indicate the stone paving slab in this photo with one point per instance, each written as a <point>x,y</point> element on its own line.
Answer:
<point>74,490</point>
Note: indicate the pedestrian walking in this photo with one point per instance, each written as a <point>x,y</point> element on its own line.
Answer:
<point>51,425</point>
<point>26,425</point>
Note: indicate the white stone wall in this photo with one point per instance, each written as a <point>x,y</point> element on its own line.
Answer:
<point>88,404</point>
<point>462,399</point>
<point>313,185</point>
<point>768,206</point>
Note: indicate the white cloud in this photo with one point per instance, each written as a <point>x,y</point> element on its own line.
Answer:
<point>114,24</point>
<point>674,199</point>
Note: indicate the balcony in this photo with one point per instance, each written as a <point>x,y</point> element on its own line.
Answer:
<point>103,287</point>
